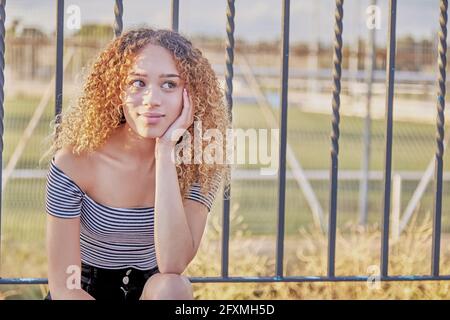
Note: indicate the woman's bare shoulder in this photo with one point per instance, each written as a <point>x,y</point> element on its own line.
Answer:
<point>73,165</point>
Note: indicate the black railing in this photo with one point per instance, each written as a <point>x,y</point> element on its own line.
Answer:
<point>336,83</point>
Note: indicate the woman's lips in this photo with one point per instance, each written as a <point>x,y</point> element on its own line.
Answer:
<point>152,119</point>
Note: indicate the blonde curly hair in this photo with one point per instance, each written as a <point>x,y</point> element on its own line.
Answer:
<point>86,125</point>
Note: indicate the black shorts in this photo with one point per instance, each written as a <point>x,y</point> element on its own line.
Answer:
<point>108,284</point>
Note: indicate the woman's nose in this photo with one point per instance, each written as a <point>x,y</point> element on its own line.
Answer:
<point>151,97</point>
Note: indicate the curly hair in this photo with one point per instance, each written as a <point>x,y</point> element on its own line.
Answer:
<point>86,125</point>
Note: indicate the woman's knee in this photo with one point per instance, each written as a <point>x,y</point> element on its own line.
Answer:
<point>167,286</point>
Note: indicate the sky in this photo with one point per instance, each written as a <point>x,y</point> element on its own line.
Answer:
<point>256,20</point>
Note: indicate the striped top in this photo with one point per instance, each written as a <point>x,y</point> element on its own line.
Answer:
<point>111,238</point>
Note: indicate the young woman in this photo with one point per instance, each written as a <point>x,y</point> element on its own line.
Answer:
<point>124,218</point>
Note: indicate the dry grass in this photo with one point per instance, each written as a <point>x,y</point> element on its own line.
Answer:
<point>356,250</point>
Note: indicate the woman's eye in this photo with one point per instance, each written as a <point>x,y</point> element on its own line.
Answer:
<point>138,83</point>
<point>169,85</point>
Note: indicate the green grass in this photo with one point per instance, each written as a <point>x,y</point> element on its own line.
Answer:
<point>18,113</point>
<point>309,136</point>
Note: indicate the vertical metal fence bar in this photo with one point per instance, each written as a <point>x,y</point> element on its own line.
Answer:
<point>175,14</point>
<point>2,112</point>
<point>337,66</point>
<point>390,72</point>
<point>59,57</point>
<point>440,124</point>
<point>118,14</point>
<point>229,96</point>
<point>283,128</point>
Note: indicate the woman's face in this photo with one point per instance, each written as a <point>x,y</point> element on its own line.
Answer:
<point>153,95</point>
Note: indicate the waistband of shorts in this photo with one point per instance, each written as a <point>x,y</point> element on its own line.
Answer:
<point>113,275</point>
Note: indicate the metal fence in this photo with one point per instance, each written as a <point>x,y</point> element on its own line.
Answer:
<point>283,103</point>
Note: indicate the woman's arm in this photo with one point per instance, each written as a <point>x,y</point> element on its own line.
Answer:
<point>63,234</point>
<point>179,225</point>
<point>63,249</point>
<point>174,244</point>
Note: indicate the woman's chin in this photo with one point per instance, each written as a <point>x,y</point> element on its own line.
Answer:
<point>150,132</point>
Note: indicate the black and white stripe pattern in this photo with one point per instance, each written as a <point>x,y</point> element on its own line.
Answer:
<point>208,199</point>
<point>111,238</point>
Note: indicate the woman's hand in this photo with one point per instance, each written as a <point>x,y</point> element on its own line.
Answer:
<point>176,130</point>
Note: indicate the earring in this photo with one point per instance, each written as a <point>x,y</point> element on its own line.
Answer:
<point>122,118</point>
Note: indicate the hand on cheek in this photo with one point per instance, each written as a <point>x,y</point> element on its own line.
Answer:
<point>179,126</point>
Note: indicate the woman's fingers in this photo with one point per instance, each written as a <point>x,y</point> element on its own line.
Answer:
<point>183,122</point>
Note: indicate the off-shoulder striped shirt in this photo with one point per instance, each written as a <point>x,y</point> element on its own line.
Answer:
<point>110,237</point>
